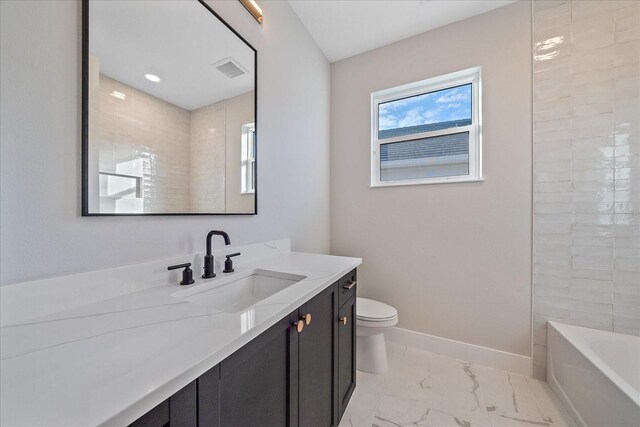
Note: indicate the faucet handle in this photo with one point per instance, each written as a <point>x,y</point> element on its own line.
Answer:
<point>187,274</point>
<point>228,264</point>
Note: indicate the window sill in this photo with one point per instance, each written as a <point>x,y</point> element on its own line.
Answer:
<point>424,182</point>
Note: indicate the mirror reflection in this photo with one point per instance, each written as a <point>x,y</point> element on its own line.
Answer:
<point>170,126</point>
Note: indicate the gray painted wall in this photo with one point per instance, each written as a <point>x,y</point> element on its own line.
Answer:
<point>41,230</point>
<point>454,259</point>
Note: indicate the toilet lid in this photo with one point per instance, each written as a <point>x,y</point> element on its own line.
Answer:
<point>371,310</point>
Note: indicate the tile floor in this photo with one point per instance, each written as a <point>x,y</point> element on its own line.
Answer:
<point>428,389</point>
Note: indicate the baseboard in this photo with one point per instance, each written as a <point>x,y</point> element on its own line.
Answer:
<point>460,350</point>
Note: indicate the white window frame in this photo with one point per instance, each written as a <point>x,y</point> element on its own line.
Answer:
<point>459,78</point>
<point>248,159</point>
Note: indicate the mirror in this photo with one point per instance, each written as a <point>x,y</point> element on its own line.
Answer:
<point>169,111</point>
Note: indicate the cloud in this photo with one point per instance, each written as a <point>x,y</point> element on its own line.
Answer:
<point>459,115</point>
<point>412,117</point>
<point>452,97</point>
<point>405,102</point>
<point>384,108</point>
<point>433,115</point>
<point>388,121</point>
<point>434,107</point>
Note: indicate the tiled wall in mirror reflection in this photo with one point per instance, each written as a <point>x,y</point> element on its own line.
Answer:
<point>180,160</point>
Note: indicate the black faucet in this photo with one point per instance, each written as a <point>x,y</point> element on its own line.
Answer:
<point>208,258</point>
<point>187,274</point>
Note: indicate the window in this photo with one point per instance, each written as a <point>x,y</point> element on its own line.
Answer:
<point>120,186</point>
<point>120,193</point>
<point>248,166</point>
<point>427,132</point>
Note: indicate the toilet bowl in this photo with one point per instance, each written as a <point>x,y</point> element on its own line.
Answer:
<point>373,318</point>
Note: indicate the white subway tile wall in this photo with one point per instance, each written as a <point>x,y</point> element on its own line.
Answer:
<point>181,155</point>
<point>208,146</point>
<point>143,127</point>
<point>587,167</point>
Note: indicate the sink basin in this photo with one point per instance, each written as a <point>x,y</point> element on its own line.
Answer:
<point>242,291</point>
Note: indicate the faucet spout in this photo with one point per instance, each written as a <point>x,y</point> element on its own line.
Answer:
<point>212,233</point>
<point>208,258</point>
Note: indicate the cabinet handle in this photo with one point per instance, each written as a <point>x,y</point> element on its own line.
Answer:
<point>349,285</point>
<point>299,326</point>
<point>343,320</point>
<point>306,319</point>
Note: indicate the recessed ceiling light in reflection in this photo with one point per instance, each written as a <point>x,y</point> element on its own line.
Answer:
<point>118,95</point>
<point>152,77</point>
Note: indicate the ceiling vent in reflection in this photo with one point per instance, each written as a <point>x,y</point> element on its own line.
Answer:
<point>230,67</point>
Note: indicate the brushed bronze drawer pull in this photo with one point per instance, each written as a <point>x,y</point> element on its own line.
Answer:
<point>349,285</point>
<point>343,320</point>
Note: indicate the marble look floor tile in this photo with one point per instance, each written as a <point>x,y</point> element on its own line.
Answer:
<point>409,377</point>
<point>507,395</point>
<point>396,411</point>
<point>436,418</point>
<point>362,406</point>
<point>428,389</point>
<point>548,404</point>
<point>455,390</point>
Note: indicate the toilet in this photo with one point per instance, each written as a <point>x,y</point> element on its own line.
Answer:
<point>373,318</point>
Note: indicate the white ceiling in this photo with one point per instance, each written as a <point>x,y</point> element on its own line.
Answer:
<point>349,27</point>
<point>173,39</point>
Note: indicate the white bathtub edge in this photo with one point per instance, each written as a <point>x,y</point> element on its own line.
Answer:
<point>613,376</point>
<point>563,398</point>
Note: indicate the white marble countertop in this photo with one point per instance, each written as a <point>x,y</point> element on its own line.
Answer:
<point>110,361</point>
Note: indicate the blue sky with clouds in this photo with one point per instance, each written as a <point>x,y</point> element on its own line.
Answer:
<point>433,107</point>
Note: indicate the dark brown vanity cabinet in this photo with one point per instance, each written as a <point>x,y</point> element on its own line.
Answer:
<point>346,369</point>
<point>180,410</point>
<point>258,382</point>
<point>317,354</point>
<point>298,373</point>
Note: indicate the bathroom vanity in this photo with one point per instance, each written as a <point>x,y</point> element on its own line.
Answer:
<point>299,372</point>
<point>131,346</point>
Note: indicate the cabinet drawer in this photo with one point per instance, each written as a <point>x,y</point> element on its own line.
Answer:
<point>347,287</point>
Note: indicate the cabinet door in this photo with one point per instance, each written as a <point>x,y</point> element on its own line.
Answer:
<point>177,411</point>
<point>317,379</point>
<point>209,398</point>
<point>258,383</point>
<point>183,407</point>
<point>346,353</point>
<point>157,417</point>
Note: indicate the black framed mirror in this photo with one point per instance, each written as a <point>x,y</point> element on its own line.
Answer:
<point>169,111</point>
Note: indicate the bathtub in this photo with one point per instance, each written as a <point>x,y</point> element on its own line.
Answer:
<point>596,374</point>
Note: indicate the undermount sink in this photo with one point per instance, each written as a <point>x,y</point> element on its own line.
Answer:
<point>242,291</point>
